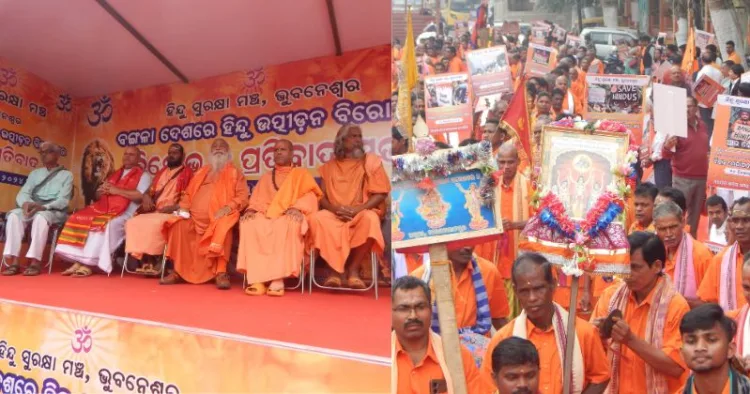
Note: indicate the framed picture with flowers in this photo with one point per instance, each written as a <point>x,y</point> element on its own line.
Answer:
<point>585,179</point>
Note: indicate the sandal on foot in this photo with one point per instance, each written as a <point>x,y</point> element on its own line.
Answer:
<point>82,272</point>
<point>278,291</point>
<point>332,281</point>
<point>172,279</point>
<point>32,270</point>
<point>256,289</point>
<point>73,268</point>
<point>12,270</point>
<point>222,281</point>
<point>356,283</point>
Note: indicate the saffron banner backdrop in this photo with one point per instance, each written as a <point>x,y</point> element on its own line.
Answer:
<point>306,102</point>
<point>31,111</point>
<point>65,352</point>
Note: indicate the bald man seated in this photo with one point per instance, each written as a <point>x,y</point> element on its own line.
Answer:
<point>273,226</point>
<point>93,233</point>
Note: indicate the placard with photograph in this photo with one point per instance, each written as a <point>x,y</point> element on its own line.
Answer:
<point>706,90</point>
<point>448,104</point>
<point>540,60</point>
<point>729,163</point>
<point>490,71</point>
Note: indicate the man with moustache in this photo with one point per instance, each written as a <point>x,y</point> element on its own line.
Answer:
<point>143,233</point>
<point>515,367</point>
<point>273,227</point>
<point>418,361</point>
<point>544,323</point>
<point>644,345</point>
<point>478,294</point>
<point>723,281</point>
<point>687,258</point>
<point>707,348</point>
<point>717,212</point>
<point>199,239</point>
<point>347,227</point>
<point>93,233</point>
<point>41,203</point>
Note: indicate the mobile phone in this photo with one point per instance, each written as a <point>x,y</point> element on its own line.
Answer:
<point>609,322</point>
<point>438,386</point>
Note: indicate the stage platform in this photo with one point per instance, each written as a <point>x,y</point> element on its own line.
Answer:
<point>104,333</point>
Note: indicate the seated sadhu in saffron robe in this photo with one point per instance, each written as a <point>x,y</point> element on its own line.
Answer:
<point>687,259</point>
<point>644,347</point>
<point>417,357</point>
<point>514,204</point>
<point>91,235</point>
<point>347,227</point>
<point>544,323</point>
<point>723,282</point>
<point>143,233</point>
<point>273,228</point>
<point>199,238</point>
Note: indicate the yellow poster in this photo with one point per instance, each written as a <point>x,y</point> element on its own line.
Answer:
<point>306,102</point>
<point>58,351</point>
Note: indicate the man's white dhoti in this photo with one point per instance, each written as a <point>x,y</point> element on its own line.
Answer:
<point>15,228</point>
<point>97,252</point>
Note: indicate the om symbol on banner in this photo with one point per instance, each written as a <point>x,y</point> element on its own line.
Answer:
<point>101,111</point>
<point>83,342</point>
<point>64,103</point>
<point>8,77</point>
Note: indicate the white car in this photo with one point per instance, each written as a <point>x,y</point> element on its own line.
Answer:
<point>605,39</point>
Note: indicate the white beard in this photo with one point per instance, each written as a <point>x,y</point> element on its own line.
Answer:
<point>218,161</point>
<point>358,153</point>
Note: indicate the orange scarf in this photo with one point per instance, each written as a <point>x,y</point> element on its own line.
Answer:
<point>211,242</point>
<point>96,216</point>
<point>298,183</point>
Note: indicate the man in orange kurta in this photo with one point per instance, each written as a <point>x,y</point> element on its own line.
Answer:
<point>455,64</point>
<point>722,283</point>
<point>687,259</point>
<point>464,292</point>
<point>417,356</point>
<point>347,228</point>
<point>143,233</point>
<point>514,204</point>
<point>273,227</point>
<point>544,323</point>
<point>199,236</point>
<point>644,346</point>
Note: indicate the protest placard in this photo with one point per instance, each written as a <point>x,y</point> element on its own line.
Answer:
<point>705,90</point>
<point>447,103</point>
<point>616,97</point>
<point>729,162</point>
<point>490,71</point>
<point>540,59</point>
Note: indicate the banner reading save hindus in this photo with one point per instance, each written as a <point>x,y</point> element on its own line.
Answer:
<point>616,97</point>
<point>67,352</point>
<point>306,102</point>
<point>729,164</point>
<point>31,111</point>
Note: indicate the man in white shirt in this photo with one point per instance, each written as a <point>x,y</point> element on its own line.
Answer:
<point>711,71</point>
<point>716,209</point>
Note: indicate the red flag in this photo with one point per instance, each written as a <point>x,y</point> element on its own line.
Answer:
<point>516,121</point>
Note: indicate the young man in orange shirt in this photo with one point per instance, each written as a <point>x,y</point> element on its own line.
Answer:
<point>515,367</point>
<point>707,337</point>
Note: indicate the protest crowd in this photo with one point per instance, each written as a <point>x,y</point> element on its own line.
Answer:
<point>678,322</point>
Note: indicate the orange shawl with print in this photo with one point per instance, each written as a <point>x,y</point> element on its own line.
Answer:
<point>96,216</point>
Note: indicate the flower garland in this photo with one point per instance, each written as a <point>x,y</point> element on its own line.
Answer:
<point>430,162</point>
<point>608,206</point>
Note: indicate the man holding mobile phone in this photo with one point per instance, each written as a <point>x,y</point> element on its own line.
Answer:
<point>639,322</point>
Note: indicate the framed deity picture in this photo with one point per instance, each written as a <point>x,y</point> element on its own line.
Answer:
<point>577,166</point>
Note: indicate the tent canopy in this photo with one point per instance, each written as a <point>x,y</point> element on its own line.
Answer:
<point>95,47</point>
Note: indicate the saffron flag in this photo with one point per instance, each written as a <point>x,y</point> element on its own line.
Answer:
<point>689,65</point>
<point>407,80</point>
<point>516,121</point>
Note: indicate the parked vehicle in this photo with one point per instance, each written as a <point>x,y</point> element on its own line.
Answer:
<point>605,39</point>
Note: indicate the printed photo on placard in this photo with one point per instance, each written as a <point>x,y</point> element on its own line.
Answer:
<point>490,71</point>
<point>616,97</point>
<point>447,101</point>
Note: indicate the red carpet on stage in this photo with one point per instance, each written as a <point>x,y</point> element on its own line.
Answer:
<point>351,322</point>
